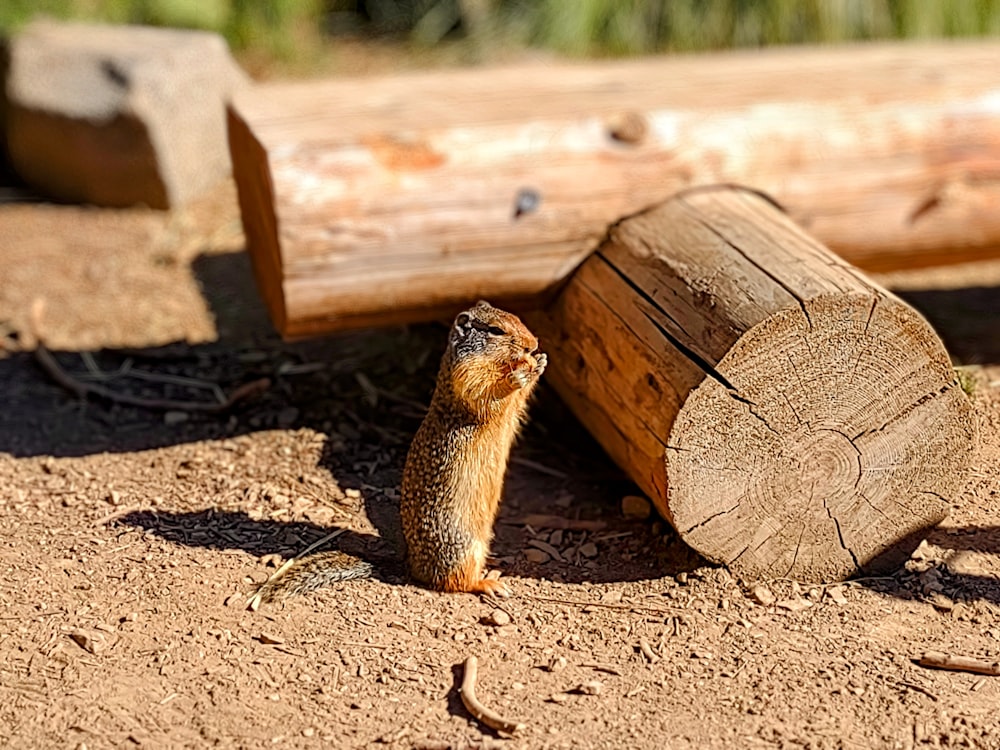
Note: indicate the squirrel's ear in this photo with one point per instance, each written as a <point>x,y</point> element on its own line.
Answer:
<point>461,328</point>
<point>483,303</point>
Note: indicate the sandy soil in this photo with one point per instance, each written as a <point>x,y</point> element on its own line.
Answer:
<point>129,539</point>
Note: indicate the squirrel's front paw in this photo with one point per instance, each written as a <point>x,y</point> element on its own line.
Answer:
<point>527,371</point>
<point>540,361</point>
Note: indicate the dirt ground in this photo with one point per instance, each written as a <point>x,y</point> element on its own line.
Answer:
<point>130,538</point>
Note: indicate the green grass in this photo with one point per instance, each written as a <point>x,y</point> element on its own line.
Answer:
<point>293,30</point>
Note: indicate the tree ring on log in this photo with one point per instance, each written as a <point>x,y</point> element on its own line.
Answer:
<point>822,444</point>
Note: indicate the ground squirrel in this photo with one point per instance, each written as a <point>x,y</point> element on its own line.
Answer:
<point>455,468</point>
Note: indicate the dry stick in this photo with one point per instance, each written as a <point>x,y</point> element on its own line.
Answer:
<point>83,390</point>
<point>919,689</point>
<point>647,650</point>
<point>118,513</point>
<point>941,660</point>
<point>254,601</point>
<point>540,468</point>
<point>485,715</point>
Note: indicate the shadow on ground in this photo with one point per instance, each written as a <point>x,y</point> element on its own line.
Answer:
<point>366,388</point>
<point>966,319</point>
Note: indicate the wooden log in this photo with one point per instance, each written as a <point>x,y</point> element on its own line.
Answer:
<point>787,415</point>
<point>381,200</point>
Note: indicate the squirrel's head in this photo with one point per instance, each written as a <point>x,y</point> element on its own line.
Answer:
<point>486,344</point>
<point>486,332</point>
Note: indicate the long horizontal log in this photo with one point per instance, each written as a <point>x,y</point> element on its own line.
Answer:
<point>788,416</point>
<point>380,200</point>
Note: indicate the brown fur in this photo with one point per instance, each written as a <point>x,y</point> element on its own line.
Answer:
<point>454,472</point>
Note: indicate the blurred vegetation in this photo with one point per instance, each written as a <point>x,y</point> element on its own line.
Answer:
<point>290,30</point>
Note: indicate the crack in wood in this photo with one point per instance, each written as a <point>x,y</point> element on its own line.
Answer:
<point>795,556</point>
<point>752,407</point>
<point>840,535</point>
<point>723,512</point>
<point>871,312</point>
<point>791,292</point>
<point>689,353</point>
<point>906,412</point>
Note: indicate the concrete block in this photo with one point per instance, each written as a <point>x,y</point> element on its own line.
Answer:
<point>117,115</point>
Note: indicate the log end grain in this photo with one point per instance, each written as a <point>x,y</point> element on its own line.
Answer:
<point>824,443</point>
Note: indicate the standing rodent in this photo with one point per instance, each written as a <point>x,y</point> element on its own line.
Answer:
<point>454,471</point>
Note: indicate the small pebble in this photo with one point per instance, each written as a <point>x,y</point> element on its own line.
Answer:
<point>594,687</point>
<point>636,506</point>
<point>234,599</point>
<point>556,665</point>
<point>497,618</point>
<point>837,594</point>
<point>762,595</point>
<point>589,549</point>
<point>535,555</point>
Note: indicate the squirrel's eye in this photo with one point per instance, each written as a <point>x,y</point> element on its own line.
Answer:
<point>496,331</point>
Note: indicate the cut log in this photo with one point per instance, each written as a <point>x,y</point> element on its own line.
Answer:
<point>394,199</point>
<point>788,416</point>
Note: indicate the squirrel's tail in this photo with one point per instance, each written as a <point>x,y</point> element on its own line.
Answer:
<point>310,573</point>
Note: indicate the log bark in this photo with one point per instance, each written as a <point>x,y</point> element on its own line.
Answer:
<point>392,199</point>
<point>788,416</point>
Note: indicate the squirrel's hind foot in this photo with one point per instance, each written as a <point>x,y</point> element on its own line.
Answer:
<point>491,588</point>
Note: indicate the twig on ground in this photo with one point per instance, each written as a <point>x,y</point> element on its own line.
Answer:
<point>90,390</point>
<point>919,689</point>
<point>118,513</point>
<point>485,715</point>
<point>85,390</point>
<point>941,660</point>
<point>647,651</point>
<point>540,468</point>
